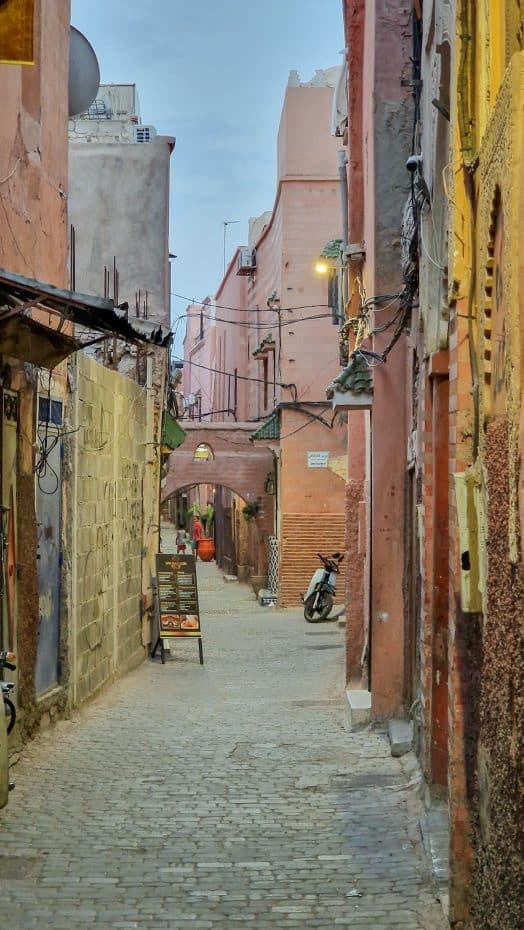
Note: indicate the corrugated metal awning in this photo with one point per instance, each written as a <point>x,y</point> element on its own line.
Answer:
<point>26,338</point>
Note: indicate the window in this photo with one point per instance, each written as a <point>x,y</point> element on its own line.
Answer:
<point>203,453</point>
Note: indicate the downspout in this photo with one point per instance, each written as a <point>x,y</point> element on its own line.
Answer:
<point>344,200</point>
<point>343,177</point>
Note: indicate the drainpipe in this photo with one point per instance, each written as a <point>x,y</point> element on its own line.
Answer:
<point>344,195</point>
<point>343,177</point>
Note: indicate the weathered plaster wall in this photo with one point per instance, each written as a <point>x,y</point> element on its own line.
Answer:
<point>499,878</point>
<point>119,206</point>
<point>33,151</point>
<point>356,544</point>
<point>387,124</point>
<point>33,242</point>
<point>485,665</point>
<point>106,523</point>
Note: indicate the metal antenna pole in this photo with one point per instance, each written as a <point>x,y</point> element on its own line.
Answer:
<point>227,223</point>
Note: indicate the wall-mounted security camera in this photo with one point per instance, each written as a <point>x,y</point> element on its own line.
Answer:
<point>356,251</point>
<point>414,163</point>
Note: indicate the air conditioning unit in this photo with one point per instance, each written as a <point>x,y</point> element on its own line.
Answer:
<point>247,261</point>
<point>189,401</point>
<point>143,133</point>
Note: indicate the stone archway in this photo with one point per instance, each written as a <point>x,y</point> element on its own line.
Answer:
<point>236,464</point>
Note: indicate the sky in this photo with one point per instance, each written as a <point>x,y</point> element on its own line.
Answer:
<point>213,74</point>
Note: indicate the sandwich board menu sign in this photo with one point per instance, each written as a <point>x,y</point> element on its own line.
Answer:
<point>178,613</point>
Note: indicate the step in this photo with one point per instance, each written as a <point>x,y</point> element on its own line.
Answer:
<point>400,736</point>
<point>359,705</point>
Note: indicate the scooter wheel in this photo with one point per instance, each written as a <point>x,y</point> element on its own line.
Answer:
<point>323,610</point>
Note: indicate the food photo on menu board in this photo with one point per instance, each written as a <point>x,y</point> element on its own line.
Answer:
<point>177,590</point>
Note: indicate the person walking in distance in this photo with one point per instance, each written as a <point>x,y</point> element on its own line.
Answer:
<point>198,533</point>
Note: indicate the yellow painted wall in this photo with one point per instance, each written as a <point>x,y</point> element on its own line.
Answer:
<point>486,280</point>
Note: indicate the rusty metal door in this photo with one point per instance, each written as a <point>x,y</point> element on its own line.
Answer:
<point>49,552</point>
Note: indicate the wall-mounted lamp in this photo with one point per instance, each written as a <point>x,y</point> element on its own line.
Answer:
<point>269,484</point>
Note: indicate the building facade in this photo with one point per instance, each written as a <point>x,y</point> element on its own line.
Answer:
<point>275,347</point>
<point>34,243</point>
<point>486,606</point>
<point>450,79</point>
<point>79,442</point>
<point>374,350</point>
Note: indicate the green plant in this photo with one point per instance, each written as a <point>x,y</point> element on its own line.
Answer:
<point>206,517</point>
<point>251,510</point>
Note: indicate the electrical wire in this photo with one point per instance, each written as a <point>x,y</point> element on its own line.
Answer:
<point>203,303</point>
<point>389,298</point>
<point>269,325</point>
<point>426,251</point>
<point>47,443</point>
<point>230,374</point>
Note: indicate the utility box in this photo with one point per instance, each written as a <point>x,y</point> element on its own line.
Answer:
<point>4,758</point>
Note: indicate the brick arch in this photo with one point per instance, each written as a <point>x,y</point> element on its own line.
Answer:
<point>218,484</point>
<point>238,464</point>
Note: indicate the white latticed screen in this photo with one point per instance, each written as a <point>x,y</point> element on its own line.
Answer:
<point>272,568</point>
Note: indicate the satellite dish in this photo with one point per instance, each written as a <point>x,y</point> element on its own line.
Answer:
<point>84,73</point>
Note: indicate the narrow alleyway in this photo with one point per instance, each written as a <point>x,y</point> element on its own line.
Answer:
<point>219,796</point>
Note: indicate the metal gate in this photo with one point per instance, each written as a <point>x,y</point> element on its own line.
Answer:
<point>48,509</point>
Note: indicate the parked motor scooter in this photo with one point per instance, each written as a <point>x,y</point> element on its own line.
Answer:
<point>318,599</point>
<point>7,660</point>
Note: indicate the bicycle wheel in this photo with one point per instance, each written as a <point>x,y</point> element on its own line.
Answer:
<point>10,713</point>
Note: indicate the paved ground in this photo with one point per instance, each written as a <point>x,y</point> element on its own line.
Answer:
<point>230,795</point>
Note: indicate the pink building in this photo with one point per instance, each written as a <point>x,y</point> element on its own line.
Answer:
<point>199,361</point>
<point>274,343</point>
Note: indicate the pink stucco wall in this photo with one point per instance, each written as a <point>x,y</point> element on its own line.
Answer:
<point>34,243</point>
<point>199,358</point>
<point>231,340</point>
<point>378,38</point>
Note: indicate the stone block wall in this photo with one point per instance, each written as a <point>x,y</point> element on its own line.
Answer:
<point>106,524</point>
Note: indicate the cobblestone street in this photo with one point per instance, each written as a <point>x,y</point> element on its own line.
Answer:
<point>218,796</point>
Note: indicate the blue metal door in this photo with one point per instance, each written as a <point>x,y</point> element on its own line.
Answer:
<point>48,508</point>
